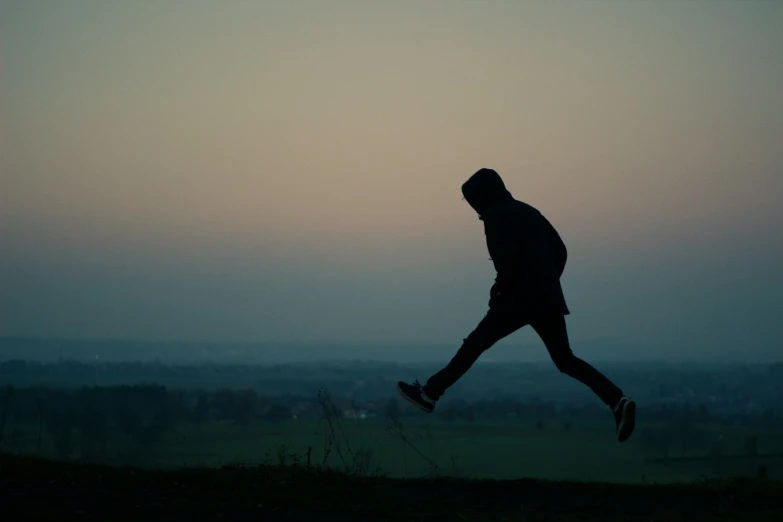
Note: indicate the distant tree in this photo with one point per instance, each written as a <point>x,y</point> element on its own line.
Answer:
<point>148,399</point>
<point>177,402</point>
<point>392,410</point>
<point>63,443</point>
<point>276,413</point>
<point>201,409</point>
<point>245,407</point>
<point>447,415</point>
<point>13,368</point>
<point>94,434</point>
<point>769,419</point>
<point>540,424</point>
<point>154,430</point>
<point>716,454</point>
<point>483,408</point>
<point>648,441</point>
<point>752,447</point>
<point>459,406</point>
<point>702,413</point>
<point>160,422</point>
<point>224,402</point>
<point>5,408</point>
<point>128,420</point>
<point>568,426</point>
<point>655,442</point>
<point>684,432</point>
<point>54,420</point>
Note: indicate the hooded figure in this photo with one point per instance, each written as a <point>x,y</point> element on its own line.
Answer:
<point>527,251</point>
<point>529,258</point>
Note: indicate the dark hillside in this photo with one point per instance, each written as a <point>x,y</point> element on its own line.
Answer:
<point>38,489</point>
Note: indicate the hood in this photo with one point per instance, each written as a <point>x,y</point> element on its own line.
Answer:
<point>485,189</point>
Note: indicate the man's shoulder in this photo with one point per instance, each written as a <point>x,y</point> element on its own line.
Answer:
<point>524,210</point>
<point>513,211</point>
<point>521,205</point>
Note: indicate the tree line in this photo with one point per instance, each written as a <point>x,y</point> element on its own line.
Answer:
<point>81,422</point>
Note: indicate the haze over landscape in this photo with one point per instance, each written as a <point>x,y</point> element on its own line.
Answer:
<point>289,172</point>
<point>236,261</point>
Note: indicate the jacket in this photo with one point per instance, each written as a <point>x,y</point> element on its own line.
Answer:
<point>528,254</point>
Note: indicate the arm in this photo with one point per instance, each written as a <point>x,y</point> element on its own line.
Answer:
<point>559,252</point>
<point>504,249</point>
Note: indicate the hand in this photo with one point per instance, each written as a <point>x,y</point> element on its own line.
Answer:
<point>495,299</point>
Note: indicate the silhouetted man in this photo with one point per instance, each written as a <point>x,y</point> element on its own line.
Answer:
<point>529,258</point>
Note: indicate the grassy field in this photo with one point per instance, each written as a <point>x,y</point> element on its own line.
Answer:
<point>501,450</point>
<point>37,489</point>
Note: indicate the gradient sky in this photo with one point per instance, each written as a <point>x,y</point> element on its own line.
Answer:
<point>291,171</point>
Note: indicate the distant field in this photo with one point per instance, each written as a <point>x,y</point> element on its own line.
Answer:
<point>502,450</point>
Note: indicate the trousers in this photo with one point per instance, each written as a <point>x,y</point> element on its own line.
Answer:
<point>499,323</point>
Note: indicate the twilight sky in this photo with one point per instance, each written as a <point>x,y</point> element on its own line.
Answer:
<point>291,171</point>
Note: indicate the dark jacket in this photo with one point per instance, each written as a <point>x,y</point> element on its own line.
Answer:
<point>527,251</point>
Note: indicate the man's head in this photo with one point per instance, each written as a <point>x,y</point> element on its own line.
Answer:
<point>484,189</point>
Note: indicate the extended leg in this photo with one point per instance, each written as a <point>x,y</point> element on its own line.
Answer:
<point>553,332</point>
<point>496,325</point>
<point>555,336</point>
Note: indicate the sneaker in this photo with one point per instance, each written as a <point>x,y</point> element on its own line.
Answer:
<point>414,393</point>
<point>625,417</point>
